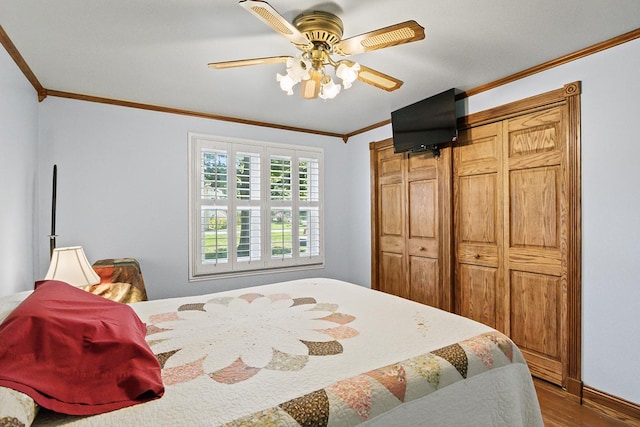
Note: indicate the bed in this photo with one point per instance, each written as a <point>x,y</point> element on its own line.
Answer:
<point>317,352</point>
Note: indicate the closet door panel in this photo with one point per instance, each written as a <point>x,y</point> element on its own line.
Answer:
<point>424,280</point>
<point>477,197</point>
<point>535,316</point>
<point>478,229</point>
<point>535,237</point>
<point>424,234</point>
<point>538,132</point>
<point>478,150</point>
<point>478,293</point>
<point>422,166</point>
<point>535,207</point>
<point>534,217</point>
<point>422,221</point>
<point>422,205</point>
<point>389,259</point>
<point>392,274</point>
<point>391,218</point>
<point>478,217</point>
<point>535,260</point>
<point>391,201</point>
<point>389,163</point>
<point>480,254</point>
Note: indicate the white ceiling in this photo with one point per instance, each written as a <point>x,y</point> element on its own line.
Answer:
<point>156,51</point>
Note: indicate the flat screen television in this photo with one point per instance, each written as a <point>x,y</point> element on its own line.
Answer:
<point>425,125</point>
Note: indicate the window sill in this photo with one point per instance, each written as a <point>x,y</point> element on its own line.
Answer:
<point>229,274</point>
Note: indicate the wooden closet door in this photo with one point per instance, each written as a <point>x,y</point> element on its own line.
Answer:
<point>411,224</point>
<point>391,207</point>
<point>535,243</point>
<point>510,206</point>
<point>424,240</point>
<point>516,228</point>
<point>478,225</point>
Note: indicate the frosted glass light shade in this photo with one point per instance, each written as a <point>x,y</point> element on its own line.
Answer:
<point>329,89</point>
<point>348,73</point>
<point>298,68</point>
<point>71,265</point>
<point>286,83</point>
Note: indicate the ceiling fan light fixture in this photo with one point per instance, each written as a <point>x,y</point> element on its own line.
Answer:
<point>348,72</point>
<point>297,70</point>
<point>328,89</point>
<point>298,67</point>
<point>286,83</point>
<point>318,35</point>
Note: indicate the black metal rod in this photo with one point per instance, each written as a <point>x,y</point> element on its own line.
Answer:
<point>52,237</point>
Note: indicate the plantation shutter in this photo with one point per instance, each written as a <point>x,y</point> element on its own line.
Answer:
<point>214,205</point>
<point>309,207</point>
<point>248,207</point>
<point>253,206</point>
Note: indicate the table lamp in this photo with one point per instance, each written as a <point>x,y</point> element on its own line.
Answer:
<point>70,265</point>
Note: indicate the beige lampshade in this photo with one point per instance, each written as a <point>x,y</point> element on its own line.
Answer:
<point>70,265</point>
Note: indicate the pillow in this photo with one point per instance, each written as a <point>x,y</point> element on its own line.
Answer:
<point>16,409</point>
<point>77,353</point>
<point>120,292</point>
<point>10,302</point>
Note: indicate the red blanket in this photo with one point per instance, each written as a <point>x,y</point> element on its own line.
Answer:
<point>77,353</point>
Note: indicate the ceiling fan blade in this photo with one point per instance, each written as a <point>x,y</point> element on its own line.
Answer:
<point>246,62</point>
<point>378,79</point>
<point>404,32</point>
<point>263,11</point>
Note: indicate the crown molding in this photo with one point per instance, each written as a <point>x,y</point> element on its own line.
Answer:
<point>22,64</point>
<point>590,50</point>
<point>158,108</point>
<point>43,92</point>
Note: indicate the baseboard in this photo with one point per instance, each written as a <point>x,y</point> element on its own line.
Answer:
<point>613,406</point>
<point>574,388</point>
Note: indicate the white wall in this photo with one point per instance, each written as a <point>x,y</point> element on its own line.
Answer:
<point>18,169</point>
<point>610,206</point>
<point>123,189</point>
<point>360,204</point>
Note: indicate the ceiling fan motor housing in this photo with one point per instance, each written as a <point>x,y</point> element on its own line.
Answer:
<point>320,27</point>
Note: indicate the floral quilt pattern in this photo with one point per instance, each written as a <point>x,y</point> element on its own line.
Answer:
<point>231,339</point>
<point>357,399</point>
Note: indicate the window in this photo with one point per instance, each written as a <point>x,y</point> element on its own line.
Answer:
<point>254,206</point>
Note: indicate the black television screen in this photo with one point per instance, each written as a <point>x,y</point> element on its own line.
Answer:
<point>426,124</point>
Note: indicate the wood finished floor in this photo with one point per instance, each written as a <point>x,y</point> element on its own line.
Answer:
<point>560,411</point>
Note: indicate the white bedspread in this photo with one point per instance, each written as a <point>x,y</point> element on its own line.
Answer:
<point>323,352</point>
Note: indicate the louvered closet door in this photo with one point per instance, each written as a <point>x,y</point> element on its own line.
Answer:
<point>536,242</point>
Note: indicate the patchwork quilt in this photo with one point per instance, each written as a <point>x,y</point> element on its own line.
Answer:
<point>322,352</point>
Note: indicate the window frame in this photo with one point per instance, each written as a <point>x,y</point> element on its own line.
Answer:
<point>232,266</point>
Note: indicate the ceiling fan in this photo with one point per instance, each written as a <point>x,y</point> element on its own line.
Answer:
<point>318,35</point>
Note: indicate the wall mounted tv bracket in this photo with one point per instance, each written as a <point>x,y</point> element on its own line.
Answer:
<point>433,148</point>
